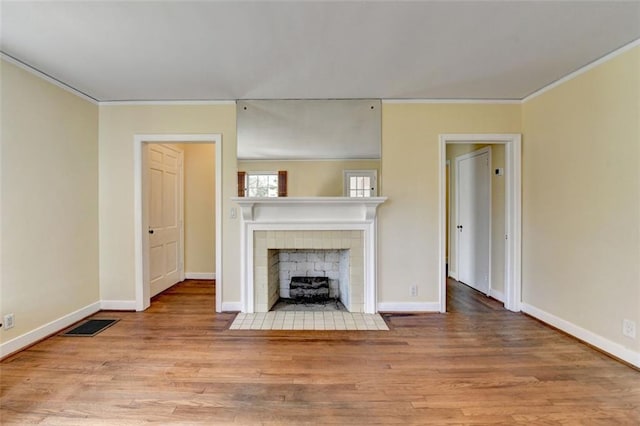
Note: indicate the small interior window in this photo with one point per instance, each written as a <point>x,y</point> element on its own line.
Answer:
<point>261,184</point>
<point>360,183</point>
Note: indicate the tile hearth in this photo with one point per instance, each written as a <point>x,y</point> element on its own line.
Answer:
<point>300,320</point>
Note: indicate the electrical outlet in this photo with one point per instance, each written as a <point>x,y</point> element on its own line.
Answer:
<point>9,321</point>
<point>629,328</point>
<point>414,290</point>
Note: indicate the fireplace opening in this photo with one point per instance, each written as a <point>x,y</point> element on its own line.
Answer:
<point>309,279</point>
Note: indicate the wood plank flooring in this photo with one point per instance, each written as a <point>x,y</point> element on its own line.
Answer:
<point>178,363</point>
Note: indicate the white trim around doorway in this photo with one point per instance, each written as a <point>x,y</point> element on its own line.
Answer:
<point>142,292</point>
<point>513,207</point>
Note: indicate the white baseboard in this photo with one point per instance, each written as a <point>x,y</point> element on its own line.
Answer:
<point>596,340</point>
<point>498,295</point>
<point>31,337</point>
<point>409,307</point>
<point>454,275</point>
<point>118,305</point>
<point>200,275</point>
<point>231,306</point>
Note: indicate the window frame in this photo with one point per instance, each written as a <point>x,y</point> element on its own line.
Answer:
<point>281,182</point>
<point>370,173</point>
<point>248,174</point>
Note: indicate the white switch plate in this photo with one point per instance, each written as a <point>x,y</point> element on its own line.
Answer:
<point>9,321</point>
<point>629,328</point>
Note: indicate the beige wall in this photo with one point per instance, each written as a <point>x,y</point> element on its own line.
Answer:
<point>408,226</point>
<point>497,211</point>
<point>313,178</point>
<point>581,205</point>
<point>118,125</point>
<point>408,221</point>
<point>49,201</point>
<point>199,208</point>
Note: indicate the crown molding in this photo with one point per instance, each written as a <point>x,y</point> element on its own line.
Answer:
<point>451,101</point>
<point>167,102</point>
<point>582,70</point>
<point>17,62</point>
<point>46,77</point>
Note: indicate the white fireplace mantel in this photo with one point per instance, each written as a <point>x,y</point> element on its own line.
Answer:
<point>309,209</point>
<point>308,213</point>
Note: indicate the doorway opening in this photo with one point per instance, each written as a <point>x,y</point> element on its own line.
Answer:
<point>473,219</point>
<point>469,161</point>
<point>143,230</point>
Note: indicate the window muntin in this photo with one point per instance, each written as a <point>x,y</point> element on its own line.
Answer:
<point>359,186</point>
<point>360,183</point>
<point>261,184</point>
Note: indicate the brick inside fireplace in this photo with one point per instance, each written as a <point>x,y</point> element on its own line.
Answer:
<point>332,264</point>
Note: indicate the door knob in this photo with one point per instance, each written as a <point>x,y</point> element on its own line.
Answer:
<point>459,227</point>
<point>151,231</point>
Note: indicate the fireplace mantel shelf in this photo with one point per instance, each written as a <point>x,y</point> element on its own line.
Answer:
<point>265,208</point>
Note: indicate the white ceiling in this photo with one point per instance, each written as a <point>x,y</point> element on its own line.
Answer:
<point>140,50</point>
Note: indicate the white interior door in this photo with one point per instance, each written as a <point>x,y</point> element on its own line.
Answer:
<point>474,219</point>
<point>164,168</point>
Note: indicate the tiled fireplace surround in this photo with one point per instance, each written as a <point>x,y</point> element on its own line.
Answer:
<point>267,277</point>
<point>312,223</point>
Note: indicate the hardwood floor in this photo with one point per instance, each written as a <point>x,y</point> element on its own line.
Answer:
<point>179,363</point>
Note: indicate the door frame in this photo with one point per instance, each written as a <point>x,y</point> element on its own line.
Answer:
<point>142,291</point>
<point>458,159</point>
<point>447,221</point>
<point>513,212</point>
